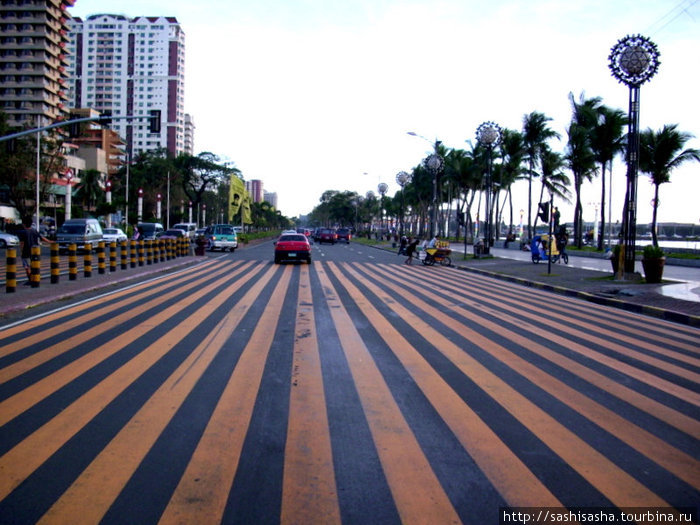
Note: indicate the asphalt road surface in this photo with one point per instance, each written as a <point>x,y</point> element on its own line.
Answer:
<point>356,389</point>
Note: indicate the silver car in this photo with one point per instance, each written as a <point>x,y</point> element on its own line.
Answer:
<point>7,239</point>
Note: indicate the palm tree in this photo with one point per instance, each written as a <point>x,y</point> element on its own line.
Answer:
<point>581,162</point>
<point>554,180</point>
<point>659,154</point>
<point>535,137</point>
<point>512,154</point>
<point>607,140</point>
<point>90,188</point>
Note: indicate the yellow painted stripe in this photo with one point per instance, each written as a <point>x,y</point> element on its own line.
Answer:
<point>91,329</point>
<point>28,455</point>
<point>622,489</point>
<point>597,331</point>
<point>309,493</point>
<point>508,474</point>
<point>527,311</point>
<point>33,324</point>
<point>417,492</point>
<point>35,333</point>
<point>678,463</point>
<point>91,495</point>
<point>201,495</point>
<point>660,411</point>
<point>18,403</point>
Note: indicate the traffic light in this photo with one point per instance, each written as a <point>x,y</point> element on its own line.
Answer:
<point>106,117</point>
<point>154,121</point>
<point>544,212</point>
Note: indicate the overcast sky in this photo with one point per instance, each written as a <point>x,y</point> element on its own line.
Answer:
<point>315,95</point>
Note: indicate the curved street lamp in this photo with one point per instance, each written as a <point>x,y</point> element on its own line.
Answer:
<point>402,178</point>
<point>633,61</point>
<point>488,134</point>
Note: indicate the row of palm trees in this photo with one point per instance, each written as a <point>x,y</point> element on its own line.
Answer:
<point>596,136</point>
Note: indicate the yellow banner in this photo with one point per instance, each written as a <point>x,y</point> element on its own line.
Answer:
<point>246,209</point>
<point>236,194</point>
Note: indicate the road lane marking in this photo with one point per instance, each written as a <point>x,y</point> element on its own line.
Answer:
<point>508,474</point>
<point>35,449</point>
<point>416,490</point>
<point>309,492</point>
<point>203,490</point>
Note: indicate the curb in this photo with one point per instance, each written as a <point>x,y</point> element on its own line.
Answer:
<point>651,311</point>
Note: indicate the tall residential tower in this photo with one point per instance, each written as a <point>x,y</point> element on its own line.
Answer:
<point>130,66</point>
<point>33,60</point>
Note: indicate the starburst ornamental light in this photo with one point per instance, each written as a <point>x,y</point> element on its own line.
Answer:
<point>634,60</point>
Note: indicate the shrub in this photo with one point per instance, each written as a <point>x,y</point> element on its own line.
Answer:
<point>652,252</point>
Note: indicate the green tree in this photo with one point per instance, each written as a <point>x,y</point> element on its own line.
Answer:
<point>607,140</point>
<point>536,134</point>
<point>90,189</point>
<point>659,154</point>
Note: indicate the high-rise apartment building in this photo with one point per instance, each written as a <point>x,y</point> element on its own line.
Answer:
<point>189,134</point>
<point>130,66</point>
<point>33,60</point>
<point>255,189</point>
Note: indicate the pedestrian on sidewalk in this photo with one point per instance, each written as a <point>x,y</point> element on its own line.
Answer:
<point>28,238</point>
<point>402,246</point>
<point>410,249</point>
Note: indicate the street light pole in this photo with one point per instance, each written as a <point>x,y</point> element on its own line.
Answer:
<point>488,134</point>
<point>402,178</point>
<point>633,61</point>
<point>434,163</point>
<point>382,188</point>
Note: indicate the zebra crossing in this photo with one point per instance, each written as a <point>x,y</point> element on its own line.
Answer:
<point>246,392</point>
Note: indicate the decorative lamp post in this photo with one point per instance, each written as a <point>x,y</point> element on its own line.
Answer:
<point>633,61</point>
<point>159,197</point>
<point>370,197</point>
<point>204,213</point>
<point>108,198</point>
<point>139,213</point>
<point>382,188</point>
<point>489,135</point>
<point>434,163</point>
<point>69,194</point>
<point>402,178</point>
<point>190,212</point>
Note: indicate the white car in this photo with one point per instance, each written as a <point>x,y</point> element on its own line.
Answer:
<point>7,239</point>
<point>113,234</point>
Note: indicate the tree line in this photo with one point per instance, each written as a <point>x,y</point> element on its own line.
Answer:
<point>595,137</point>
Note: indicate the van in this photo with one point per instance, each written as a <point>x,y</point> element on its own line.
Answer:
<point>188,227</point>
<point>149,231</point>
<point>220,237</point>
<point>80,232</point>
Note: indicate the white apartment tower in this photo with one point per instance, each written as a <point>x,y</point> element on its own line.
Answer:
<point>130,66</point>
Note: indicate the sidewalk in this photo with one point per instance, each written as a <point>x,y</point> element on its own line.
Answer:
<point>590,285</point>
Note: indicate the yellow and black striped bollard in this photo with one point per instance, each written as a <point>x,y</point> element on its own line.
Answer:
<point>101,266</point>
<point>141,252</point>
<point>11,271</point>
<point>132,253</point>
<point>87,260</point>
<point>123,252</point>
<point>72,262</point>
<point>149,252</point>
<point>35,267</point>
<point>55,263</point>
<point>112,256</point>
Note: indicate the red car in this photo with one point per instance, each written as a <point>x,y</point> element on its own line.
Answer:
<point>344,235</point>
<point>292,247</point>
<point>327,235</point>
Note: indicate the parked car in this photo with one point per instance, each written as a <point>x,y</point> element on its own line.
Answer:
<point>292,247</point>
<point>327,235</point>
<point>113,234</point>
<point>221,237</point>
<point>189,227</point>
<point>7,239</point>
<point>343,235</point>
<point>81,232</point>
<point>173,233</point>
<point>150,230</point>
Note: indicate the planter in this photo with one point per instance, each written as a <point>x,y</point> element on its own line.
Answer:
<point>653,269</point>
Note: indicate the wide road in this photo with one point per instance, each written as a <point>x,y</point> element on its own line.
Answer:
<point>356,389</point>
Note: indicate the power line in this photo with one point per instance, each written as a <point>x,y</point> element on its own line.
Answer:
<point>679,10</point>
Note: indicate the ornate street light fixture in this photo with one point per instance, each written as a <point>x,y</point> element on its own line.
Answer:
<point>434,163</point>
<point>382,188</point>
<point>633,61</point>
<point>488,134</point>
<point>402,178</point>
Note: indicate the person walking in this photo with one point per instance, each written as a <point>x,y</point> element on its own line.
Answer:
<point>410,249</point>
<point>28,238</point>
